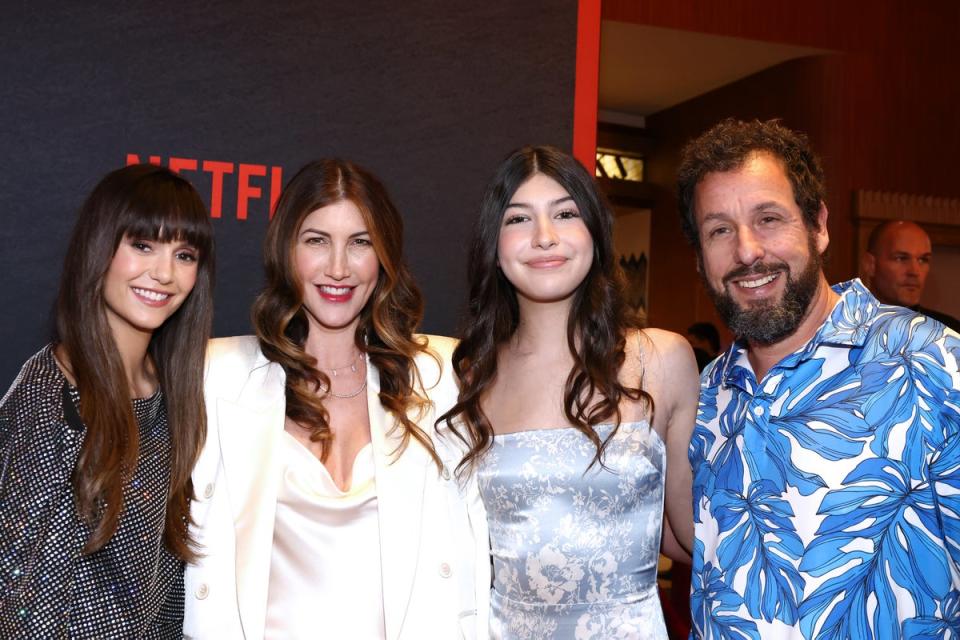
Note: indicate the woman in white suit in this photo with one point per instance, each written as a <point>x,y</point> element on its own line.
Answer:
<point>325,504</point>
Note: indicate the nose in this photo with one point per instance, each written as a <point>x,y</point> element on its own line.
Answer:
<point>749,249</point>
<point>161,269</point>
<point>545,235</point>
<point>337,266</point>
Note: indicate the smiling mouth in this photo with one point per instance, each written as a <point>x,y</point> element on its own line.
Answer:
<point>547,263</point>
<point>151,297</point>
<point>758,282</point>
<point>335,293</point>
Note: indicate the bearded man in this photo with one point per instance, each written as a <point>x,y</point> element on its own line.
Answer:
<point>826,455</point>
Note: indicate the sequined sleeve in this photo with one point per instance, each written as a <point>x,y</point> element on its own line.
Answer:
<point>38,541</point>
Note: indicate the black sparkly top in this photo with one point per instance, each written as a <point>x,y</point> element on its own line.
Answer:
<point>130,588</point>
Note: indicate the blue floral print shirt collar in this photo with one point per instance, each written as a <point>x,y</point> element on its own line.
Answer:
<point>847,325</point>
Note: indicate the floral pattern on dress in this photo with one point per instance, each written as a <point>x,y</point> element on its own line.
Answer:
<point>575,549</point>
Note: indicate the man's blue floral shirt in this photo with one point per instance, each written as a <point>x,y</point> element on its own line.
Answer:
<point>827,495</point>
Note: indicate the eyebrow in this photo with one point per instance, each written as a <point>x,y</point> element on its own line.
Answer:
<point>552,203</point>
<point>714,216</point>
<point>770,204</point>
<point>179,243</point>
<point>355,234</point>
<point>761,206</point>
<point>926,254</point>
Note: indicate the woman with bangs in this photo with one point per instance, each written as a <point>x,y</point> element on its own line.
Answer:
<point>328,508</point>
<point>100,430</point>
<point>571,413</point>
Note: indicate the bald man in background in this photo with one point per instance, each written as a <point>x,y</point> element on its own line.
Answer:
<point>896,265</point>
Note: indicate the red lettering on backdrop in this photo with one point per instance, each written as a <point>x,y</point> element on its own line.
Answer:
<point>182,164</point>
<point>245,190</point>
<point>133,158</point>
<point>216,170</point>
<point>276,183</point>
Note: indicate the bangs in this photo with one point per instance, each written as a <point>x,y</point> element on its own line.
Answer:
<point>167,213</point>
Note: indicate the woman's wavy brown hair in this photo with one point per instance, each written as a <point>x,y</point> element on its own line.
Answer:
<point>387,321</point>
<point>599,321</point>
<point>149,203</point>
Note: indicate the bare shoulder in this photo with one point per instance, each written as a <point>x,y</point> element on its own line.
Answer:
<point>657,352</point>
<point>667,371</point>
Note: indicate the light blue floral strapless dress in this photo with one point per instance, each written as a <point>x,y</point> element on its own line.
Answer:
<point>575,553</point>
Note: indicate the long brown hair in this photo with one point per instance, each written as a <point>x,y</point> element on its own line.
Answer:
<point>150,203</point>
<point>387,321</point>
<point>596,329</point>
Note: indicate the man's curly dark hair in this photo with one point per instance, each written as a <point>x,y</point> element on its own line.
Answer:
<point>727,145</point>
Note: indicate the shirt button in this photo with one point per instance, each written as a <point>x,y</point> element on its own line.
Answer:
<point>445,474</point>
<point>203,591</point>
<point>445,570</point>
<point>758,411</point>
<point>208,491</point>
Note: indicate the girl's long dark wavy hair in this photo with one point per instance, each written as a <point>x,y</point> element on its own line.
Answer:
<point>149,203</point>
<point>599,321</point>
<point>387,321</point>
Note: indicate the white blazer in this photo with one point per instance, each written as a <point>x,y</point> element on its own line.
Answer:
<point>433,531</point>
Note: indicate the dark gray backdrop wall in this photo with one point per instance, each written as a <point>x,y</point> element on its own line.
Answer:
<point>430,96</point>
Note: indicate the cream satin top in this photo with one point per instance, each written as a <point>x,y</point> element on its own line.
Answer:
<point>325,573</point>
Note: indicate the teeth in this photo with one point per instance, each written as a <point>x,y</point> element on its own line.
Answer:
<point>156,296</point>
<point>753,284</point>
<point>335,291</point>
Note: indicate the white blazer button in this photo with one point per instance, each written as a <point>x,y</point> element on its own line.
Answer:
<point>203,591</point>
<point>445,474</point>
<point>445,570</point>
<point>208,491</point>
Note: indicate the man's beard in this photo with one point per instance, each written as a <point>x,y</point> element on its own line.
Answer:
<point>768,321</point>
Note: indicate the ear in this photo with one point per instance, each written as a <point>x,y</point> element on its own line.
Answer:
<point>822,235</point>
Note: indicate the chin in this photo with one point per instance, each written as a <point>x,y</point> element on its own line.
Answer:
<point>550,297</point>
<point>146,327</point>
<point>336,324</point>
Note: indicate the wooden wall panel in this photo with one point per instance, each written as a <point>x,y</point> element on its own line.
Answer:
<point>881,112</point>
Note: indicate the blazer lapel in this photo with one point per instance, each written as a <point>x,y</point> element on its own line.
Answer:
<point>400,487</point>
<point>249,437</point>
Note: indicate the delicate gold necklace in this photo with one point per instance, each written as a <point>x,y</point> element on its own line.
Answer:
<point>352,364</point>
<point>352,394</point>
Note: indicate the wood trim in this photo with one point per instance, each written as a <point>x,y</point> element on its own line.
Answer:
<point>940,217</point>
<point>883,205</point>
